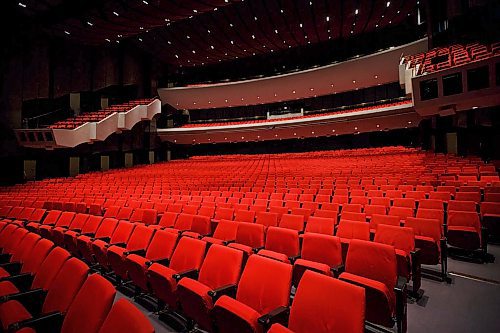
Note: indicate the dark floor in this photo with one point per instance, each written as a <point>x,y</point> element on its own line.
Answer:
<point>466,305</point>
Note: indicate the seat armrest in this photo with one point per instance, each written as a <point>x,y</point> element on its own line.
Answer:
<point>163,261</point>
<point>104,239</point>
<point>227,242</point>
<point>89,234</point>
<point>117,244</point>
<point>77,230</point>
<point>191,273</point>
<point>12,267</point>
<point>51,321</point>
<point>24,279</point>
<point>337,270</point>
<point>257,249</point>
<point>484,240</point>
<point>32,299</point>
<point>139,252</point>
<point>293,258</point>
<point>401,305</point>
<point>279,315</point>
<point>228,290</point>
<point>416,271</point>
<point>5,257</point>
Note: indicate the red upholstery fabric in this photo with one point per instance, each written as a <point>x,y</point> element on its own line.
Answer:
<point>90,306</point>
<point>49,268</point>
<point>282,240</point>
<point>65,286</point>
<point>353,230</point>
<point>323,304</point>
<point>125,317</point>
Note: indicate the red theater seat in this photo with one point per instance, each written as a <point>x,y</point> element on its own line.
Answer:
<point>281,244</point>
<point>323,305</point>
<point>373,266</point>
<point>264,287</point>
<point>320,253</point>
<point>125,317</point>
<point>249,237</point>
<point>185,262</point>
<point>160,250</point>
<point>218,276</point>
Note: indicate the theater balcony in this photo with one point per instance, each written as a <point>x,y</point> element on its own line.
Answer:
<point>90,126</point>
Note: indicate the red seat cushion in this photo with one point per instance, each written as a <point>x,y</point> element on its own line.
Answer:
<point>12,312</point>
<point>379,299</point>
<point>238,316</point>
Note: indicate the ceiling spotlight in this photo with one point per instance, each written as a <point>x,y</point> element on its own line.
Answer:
<point>378,125</point>
<point>212,47</point>
<point>145,2</point>
<point>300,25</point>
<point>140,39</point>
<point>355,128</point>
<point>356,12</point>
<point>232,42</point>
<point>195,11</point>
<point>388,3</point>
<point>90,23</point>
<point>177,56</point>
<point>108,40</point>
<point>253,36</point>
<point>67,32</point>
<point>22,5</point>
<point>328,19</point>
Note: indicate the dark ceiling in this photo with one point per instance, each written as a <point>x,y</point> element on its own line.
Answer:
<point>199,32</point>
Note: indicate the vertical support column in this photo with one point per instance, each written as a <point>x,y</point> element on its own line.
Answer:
<point>433,142</point>
<point>451,143</point>
<point>74,166</point>
<point>74,103</point>
<point>168,156</point>
<point>129,160</point>
<point>104,163</point>
<point>29,169</point>
<point>151,157</point>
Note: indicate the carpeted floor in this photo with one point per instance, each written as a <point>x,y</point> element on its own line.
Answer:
<point>467,305</point>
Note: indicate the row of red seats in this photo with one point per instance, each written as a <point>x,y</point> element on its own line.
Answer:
<point>323,114</point>
<point>166,264</point>
<point>44,289</point>
<point>86,117</point>
<point>451,56</point>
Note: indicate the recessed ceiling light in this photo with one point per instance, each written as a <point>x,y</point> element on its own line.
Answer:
<point>353,81</point>
<point>145,2</point>
<point>356,12</point>
<point>300,25</point>
<point>116,14</point>
<point>356,128</point>
<point>328,19</point>
<point>140,39</point>
<point>474,107</point>
<point>276,30</point>
<point>388,3</point>
<point>376,76</point>
<point>177,56</point>
<point>90,23</point>
<point>232,42</point>
<point>212,47</point>
<point>194,51</point>
<point>255,18</point>
<point>67,32</point>
<point>195,11</point>
<point>108,40</point>
<point>188,37</point>
<point>253,36</point>
<point>22,5</point>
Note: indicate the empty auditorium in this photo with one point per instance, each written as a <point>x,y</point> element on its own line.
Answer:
<point>249,166</point>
